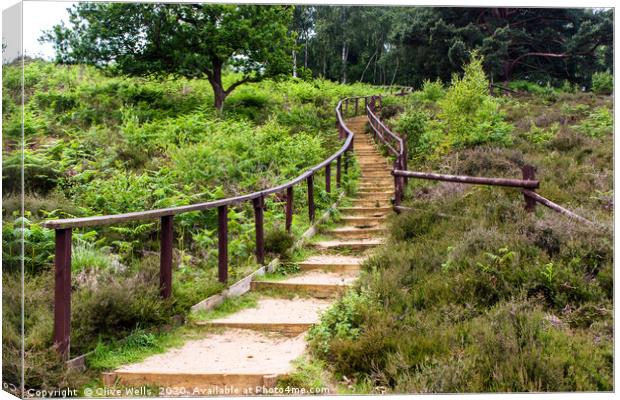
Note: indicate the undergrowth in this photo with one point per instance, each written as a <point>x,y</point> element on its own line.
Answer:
<point>471,293</point>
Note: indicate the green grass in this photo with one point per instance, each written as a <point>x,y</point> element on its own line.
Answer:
<point>136,347</point>
<point>309,374</point>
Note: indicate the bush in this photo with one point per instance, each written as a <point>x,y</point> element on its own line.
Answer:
<point>38,245</point>
<point>279,242</point>
<point>115,307</point>
<point>598,123</point>
<point>602,83</point>
<point>341,321</point>
<point>413,124</point>
<point>470,115</point>
<point>432,91</point>
<point>39,172</point>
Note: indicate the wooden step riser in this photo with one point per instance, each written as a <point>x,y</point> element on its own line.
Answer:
<point>371,203</point>
<point>382,171</point>
<point>286,329</point>
<point>349,246</point>
<point>317,291</point>
<point>362,221</point>
<point>379,183</point>
<point>366,212</point>
<point>374,192</point>
<point>361,234</point>
<point>329,267</point>
<point>197,384</point>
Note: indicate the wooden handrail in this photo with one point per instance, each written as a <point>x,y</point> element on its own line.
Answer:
<point>64,227</point>
<point>475,180</point>
<point>556,207</point>
<point>161,212</point>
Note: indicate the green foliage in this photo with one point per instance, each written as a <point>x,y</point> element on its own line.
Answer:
<point>341,321</point>
<point>464,115</point>
<point>309,375</point>
<point>413,123</point>
<point>279,242</point>
<point>471,116</point>
<point>546,92</point>
<point>252,40</point>
<point>602,83</point>
<point>116,308</point>
<point>469,286</point>
<point>105,145</point>
<point>538,135</point>
<point>85,256</point>
<point>599,122</point>
<point>134,348</point>
<point>432,91</point>
<point>40,174</point>
<point>38,245</point>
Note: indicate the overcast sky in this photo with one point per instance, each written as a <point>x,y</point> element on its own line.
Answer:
<point>40,16</point>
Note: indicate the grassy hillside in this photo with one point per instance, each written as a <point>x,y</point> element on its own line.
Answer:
<point>471,293</point>
<point>98,145</point>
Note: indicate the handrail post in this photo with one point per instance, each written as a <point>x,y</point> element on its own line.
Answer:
<point>346,162</point>
<point>165,258</point>
<point>529,173</point>
<point>289,209</point>
<point>397,192</point>
<point>309,180</point>
<point>259,205</point>
<point>356,105</point>
<point>222,244</point>
<point>346,107</point>
<point>338,171</point>
<point>328,178</point>
<point>405,156</point>
<point>62,292</point>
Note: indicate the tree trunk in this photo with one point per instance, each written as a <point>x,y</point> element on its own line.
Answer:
<point>294,64</point>
<point>306,53</point>
<point>344,62</point>
<point>220,95</point>
<point>215,79</point>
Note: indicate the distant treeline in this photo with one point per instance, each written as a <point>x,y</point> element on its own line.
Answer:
<point>406,45</point>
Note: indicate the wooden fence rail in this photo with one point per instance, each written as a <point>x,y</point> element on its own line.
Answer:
<point>64,227</point>
<point>397,146</point>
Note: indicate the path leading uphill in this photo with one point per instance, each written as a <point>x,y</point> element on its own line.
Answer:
<point>251,348</point>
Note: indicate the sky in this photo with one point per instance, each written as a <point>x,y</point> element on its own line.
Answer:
<point>40,16</point>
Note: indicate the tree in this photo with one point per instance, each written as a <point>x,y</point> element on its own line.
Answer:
<point>189,40</point>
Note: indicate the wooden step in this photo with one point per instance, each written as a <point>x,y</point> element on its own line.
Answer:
<point>371,203</point>
<point>318,290</point>
<point>362,221</point>
<point>319,284</point>
<point>332,263</point>
<point>300,315</point>
<point>236,360</point>
<point>349,232</point>
<point>366,211</point>
<point>357,244</point>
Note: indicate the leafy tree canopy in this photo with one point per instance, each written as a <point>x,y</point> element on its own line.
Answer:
<point>190,40</point>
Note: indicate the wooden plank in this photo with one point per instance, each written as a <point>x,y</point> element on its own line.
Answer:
<point>62,293</point>
<point>520,183</point>
<point>556,207</point>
